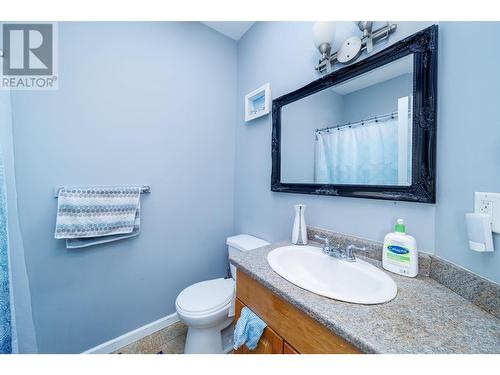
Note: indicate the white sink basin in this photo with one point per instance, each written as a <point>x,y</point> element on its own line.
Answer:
<point>309,268</point>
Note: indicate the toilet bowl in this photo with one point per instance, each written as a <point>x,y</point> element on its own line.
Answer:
<point>205,307</point>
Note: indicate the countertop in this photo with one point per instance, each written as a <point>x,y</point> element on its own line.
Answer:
<point>425,316</point>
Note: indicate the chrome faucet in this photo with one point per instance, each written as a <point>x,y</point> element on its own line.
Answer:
<point>327,249</point>
<point>347,254</point>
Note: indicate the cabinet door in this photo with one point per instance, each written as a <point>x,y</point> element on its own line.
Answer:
<point>288,349</point>
<point>270,342</point>
<point>306,335</point>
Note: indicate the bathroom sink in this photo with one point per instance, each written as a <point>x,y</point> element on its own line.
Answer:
<point>309,268</point>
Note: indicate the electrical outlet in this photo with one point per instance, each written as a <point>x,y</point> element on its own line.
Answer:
<point>486,207</point>
<point>489,204</point>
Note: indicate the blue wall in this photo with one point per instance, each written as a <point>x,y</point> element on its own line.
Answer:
<point>468,139</point>
<point>468,121</point>
<point>135,105</point>
<point>267,214</point>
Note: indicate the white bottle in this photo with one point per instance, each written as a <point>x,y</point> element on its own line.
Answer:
<point>299,232</point>
<point>400,254</point>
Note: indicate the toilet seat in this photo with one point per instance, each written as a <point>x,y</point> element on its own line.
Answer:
<point>206,297</point>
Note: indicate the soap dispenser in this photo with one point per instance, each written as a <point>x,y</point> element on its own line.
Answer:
<point>299,232</point>
<point>400,253</point>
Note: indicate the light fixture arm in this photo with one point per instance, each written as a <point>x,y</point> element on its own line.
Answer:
<point>366,27</point>
<point>367,41</point>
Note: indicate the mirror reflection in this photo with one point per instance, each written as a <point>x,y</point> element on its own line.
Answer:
<point>358,132</point>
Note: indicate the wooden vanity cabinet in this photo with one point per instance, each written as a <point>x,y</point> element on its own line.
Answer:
<point>270,342</point>
<point>287,349</point>
<point>289,330</point>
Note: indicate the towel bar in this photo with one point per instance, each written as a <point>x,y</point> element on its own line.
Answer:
<point>144,190</point>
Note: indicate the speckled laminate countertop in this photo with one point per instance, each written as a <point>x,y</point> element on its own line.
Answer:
<point>425,316</point>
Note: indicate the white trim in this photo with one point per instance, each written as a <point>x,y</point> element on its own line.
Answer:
<point>403,143</point>
<point>132,336</point>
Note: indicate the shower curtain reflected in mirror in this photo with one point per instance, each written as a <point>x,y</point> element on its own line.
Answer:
<point>361,155</point>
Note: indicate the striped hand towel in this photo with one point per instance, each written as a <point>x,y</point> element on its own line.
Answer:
<point>91,215</point>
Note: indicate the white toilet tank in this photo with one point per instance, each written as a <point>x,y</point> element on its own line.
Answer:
<point>242,242</point>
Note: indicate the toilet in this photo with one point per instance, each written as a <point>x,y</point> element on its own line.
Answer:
<point>205,306</point>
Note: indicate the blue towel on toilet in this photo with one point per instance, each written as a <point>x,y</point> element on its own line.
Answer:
<point>248,329</point>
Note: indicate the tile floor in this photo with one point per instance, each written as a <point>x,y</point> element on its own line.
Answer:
<point>170,340</point>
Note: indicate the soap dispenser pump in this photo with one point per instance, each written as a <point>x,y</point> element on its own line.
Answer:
<point>299,232</point>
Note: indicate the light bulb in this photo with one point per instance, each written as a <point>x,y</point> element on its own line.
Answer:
<point>323,32</point>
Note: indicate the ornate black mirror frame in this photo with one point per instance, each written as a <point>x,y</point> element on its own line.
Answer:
<point>423,46</point>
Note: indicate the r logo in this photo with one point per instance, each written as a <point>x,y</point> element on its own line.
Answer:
<point>28,49</point>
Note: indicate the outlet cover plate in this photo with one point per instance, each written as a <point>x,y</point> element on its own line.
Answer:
<point>489,203</point>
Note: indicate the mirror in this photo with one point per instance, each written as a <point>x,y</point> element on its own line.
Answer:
<point>356,132</point>
<point>367,130</point>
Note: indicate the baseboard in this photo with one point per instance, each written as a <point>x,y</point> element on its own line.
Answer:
<point>132,336</point>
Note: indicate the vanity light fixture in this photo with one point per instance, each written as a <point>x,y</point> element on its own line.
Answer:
<point>324,32</point>
<point>323,35</point>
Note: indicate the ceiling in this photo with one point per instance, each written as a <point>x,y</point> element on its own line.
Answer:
<point>233,29</point>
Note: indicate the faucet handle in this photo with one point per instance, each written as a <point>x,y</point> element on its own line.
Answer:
<point>325,240</point>
<point>349,254</point>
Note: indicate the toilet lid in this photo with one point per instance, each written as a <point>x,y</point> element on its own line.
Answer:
<point>206,296</point>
